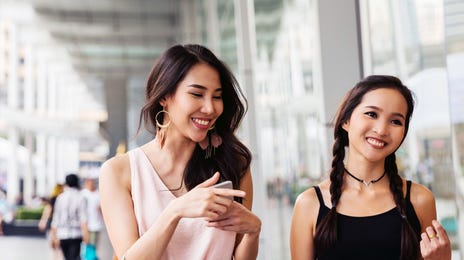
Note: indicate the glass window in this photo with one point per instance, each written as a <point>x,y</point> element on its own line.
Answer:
<point>287,114</point>
<point>408,41</point>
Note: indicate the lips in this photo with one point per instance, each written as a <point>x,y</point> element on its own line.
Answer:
<point>376,142</point>
<point>201,123</point>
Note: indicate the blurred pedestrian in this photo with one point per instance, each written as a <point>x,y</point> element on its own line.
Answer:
<point>94,218</point>
<point>47,213</point>
<point>69,223</point>
<point>47,216</point>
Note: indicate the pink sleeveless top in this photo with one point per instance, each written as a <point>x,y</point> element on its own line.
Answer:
<point>192,239</point>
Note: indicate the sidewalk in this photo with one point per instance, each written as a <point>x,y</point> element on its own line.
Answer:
<point>38,248</point>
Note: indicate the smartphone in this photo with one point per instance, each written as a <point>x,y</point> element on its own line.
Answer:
<point>225,185</point>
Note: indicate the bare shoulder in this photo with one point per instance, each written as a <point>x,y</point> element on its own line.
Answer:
<point>116,170</point>
<point>423,202</point>
<point>307,202</point>
<point>421,196</point>
<point>305,213</point>
<point>307,199</point>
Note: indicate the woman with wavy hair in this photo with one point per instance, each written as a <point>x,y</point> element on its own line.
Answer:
<point>366,210</point>
<point>158,200</point>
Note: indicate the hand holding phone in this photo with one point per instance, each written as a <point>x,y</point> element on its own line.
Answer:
<point>225,185</point>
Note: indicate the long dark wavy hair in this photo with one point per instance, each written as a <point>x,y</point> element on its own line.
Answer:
<point>326,231</point>
<point>231,158</point>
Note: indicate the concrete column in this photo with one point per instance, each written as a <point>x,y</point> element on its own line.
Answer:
<point>42,75</point>
<point>51,92</point>
<point>338,59</point>
<point>116,105</point>
<point>212,25</point>
<point>189,31</point>
<point>13,165</point>
<point>51,162</point>
<point>41,170</point>
<point>29,80</point>
<point>28,176</point>
<point>12,66</point>
<point>29,100</point>
<point>12,103</point>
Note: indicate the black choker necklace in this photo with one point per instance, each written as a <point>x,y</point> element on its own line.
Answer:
<point>367,183</point>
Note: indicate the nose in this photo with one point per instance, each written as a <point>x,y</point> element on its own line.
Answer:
<point>208,107</point>
<point>381,128</point>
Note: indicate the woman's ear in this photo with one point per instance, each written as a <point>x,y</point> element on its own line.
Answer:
<point>163,102</point>
<point>346,125</point>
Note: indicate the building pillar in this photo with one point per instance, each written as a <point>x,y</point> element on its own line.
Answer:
<point>42,90</point>
<point>41,170</point>
<point>29,80</point>
<point>52,175</point>
<point>116,105</point>
<point>13,189</point>
<point>338,59</point>
<point>28,169</point>
<point>212,25</point>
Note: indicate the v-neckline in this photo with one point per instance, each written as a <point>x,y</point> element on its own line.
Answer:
<point>165,188</point>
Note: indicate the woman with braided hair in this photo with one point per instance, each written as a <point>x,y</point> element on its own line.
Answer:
<point>365,210</point>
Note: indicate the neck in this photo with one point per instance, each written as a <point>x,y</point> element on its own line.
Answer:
<point>178,146</point>
<point>365,170</point>
<point>367,183</point>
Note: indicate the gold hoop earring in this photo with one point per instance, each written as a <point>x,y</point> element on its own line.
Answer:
<point>211,128</point>
<point>158,124</point>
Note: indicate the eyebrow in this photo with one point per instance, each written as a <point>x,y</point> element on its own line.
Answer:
<point>203,87</point>
<point>377,108</point>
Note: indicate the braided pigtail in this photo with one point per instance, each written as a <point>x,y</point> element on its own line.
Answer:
<point>326,231</point>
<point>409,239</point>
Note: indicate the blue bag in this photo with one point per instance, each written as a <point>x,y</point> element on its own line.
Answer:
<point>90,252</point>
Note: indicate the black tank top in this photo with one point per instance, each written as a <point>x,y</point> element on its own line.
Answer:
<point>371,237</point>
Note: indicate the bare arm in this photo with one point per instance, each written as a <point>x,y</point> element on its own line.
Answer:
<point>303,226</point>
<point>434,242</point>
<point>46,214</point>
<point>248,237</point>
<point>424,205</point>
<point>118,211</point>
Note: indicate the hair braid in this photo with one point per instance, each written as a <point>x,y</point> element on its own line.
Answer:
<point>326,231</point>
<point>409,240</point>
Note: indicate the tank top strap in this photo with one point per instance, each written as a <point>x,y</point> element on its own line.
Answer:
<point>319,195</point>
<point>408,190</point>
<point>323,209</point>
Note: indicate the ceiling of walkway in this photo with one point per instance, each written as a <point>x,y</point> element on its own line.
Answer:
<point>111,37</point>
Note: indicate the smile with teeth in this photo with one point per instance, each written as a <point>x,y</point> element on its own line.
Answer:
<point>375,142</point>
<point>201,122</point>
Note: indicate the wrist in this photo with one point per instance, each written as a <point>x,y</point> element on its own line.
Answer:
<point>256,232</point>
<point>172,213</point>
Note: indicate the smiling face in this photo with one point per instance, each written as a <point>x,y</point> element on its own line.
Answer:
<point>196,103</point>
<point>377,125</point>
